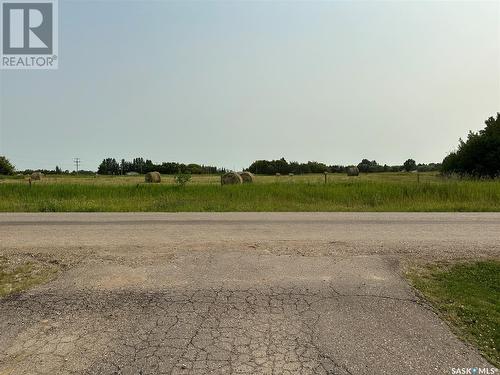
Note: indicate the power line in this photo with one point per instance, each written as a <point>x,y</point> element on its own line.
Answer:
<point>77,163</point>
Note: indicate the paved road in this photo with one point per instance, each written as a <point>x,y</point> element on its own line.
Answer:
<point>233,293</point>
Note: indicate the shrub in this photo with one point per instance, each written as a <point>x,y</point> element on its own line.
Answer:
<point>182,178</point>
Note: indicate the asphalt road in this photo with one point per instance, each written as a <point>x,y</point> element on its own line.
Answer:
<point>227,293</point>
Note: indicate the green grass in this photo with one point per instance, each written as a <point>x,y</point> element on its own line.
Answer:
<point>467,296</point>
<point>389,193</point>
<point>19,275</point>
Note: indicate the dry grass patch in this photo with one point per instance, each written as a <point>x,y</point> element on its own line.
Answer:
<point>19,273</point>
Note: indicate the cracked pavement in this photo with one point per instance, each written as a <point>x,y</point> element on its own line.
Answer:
<point>249,293</point>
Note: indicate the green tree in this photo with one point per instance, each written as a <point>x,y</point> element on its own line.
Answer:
<point>367,166</point>
<point>479,155</point>
<point>194,168</point>
<point>5,166</point>
<point>138,165</point>
<point>109,166</point>
<point>410,165</point>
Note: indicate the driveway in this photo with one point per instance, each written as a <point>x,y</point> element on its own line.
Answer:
<point>230,293</point>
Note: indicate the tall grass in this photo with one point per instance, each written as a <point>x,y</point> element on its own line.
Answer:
<point>357,195</point>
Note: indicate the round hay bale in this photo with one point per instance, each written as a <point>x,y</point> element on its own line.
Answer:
<point>36,176</point>
<point>231,178</point>
<point>353,171</point>
<point>152,177</point>
<point>247,177</point>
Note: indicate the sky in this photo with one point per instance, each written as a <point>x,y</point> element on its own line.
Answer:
<point>227,83</point>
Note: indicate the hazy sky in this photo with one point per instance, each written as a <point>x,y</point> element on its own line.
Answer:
<point>226,83</point>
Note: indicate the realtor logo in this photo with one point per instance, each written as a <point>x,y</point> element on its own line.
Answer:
<point>29,34</point>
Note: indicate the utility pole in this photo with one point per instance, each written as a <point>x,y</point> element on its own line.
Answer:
<point>77,162</point>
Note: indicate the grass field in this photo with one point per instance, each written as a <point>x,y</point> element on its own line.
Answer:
<point>215,179</point>
<point>468,297</point>
<point>370,192</point>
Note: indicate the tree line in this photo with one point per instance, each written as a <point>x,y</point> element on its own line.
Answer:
<point>110,166</point>
<point>282,166</point>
